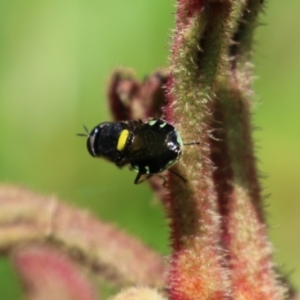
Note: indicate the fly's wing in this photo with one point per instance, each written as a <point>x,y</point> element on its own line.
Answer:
<point>148,150</point>
<point>139,148</point>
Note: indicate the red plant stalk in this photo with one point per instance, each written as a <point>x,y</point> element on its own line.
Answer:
<point>48,274</point>
<point>29,218</point>
<point>219,241</point>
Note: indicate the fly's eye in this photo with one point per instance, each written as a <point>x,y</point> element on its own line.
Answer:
<point>91,141</point>
<point>122,139</point>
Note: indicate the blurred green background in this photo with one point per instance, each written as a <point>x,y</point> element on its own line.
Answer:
<point>55,58</point>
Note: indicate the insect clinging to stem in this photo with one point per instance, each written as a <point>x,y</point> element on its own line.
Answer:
<point>148,147</point>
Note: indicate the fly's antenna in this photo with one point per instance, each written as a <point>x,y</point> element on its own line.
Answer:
<point>87,134</point>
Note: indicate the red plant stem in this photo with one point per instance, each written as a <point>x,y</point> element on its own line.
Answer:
<point>220,247</point>
<point>121,259</point>
<point>198,269</point>
<point>48,274</point>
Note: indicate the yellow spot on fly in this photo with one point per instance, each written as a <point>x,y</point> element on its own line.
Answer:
<point>122,139</point>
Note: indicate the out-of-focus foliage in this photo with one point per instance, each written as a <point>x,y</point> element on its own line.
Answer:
<point>55,58</point>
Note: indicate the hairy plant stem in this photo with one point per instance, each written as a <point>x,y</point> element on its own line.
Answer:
<point>220,247</point>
